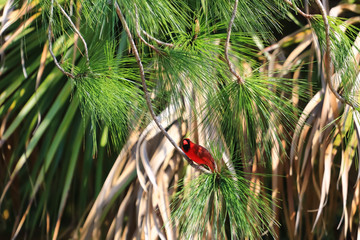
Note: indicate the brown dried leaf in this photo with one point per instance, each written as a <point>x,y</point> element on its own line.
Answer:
<point>339,9</point>
<point>305,114</point>
<point>325,186</point>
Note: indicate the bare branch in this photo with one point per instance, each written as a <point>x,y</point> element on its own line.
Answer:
<point>327,57</point>
<point>157,40</point>
<point>77,32</point>
<point>50,43</point>
<point>240,80</point>
<point>298,10</point>
<point>147,97</point>
<point>138,28</point>
<point>139,34</point>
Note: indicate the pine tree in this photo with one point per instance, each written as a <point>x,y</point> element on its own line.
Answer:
<point>82,81</point>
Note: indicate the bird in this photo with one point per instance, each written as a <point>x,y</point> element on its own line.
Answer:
<point>198,154</point>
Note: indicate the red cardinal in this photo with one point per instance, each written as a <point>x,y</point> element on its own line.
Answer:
<point>198,154</point>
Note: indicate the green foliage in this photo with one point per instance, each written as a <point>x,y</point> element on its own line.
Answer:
<point>196,66</point>
<point>52,126</point>
<point>253,17</point>
<point>342,37</point>
<point>109,91</point>
<point>221,202</point>
<point>250,114</point>
<point>43,142</point>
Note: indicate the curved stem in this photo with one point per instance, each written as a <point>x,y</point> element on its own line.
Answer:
<point>148,35</point>
<point>147,97</point>
<point>298,10</point>
<point>50,43</point>
<point>157,40</point>
<point>139,34</point>
<point>328,59</point>
<point>77,32</point>
<point>227,43</point>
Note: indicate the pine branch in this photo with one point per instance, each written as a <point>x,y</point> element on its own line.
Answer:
<point>137,27</point>
<point>157,40</point>
<point>145,89</point>
<point>327,57</point>
<point>50,43</point>
<point>240,79</point>
<point>77,32</point>
<point>298,10</point>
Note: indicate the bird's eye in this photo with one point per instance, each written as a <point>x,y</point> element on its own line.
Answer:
<point>186,145</point>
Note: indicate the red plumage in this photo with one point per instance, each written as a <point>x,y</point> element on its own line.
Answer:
<point>198,154</point>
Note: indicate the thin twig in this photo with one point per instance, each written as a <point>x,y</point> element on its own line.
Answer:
<point>76,37</point>
<point>147,97</point>
<point>138,27</point>
<point>77,32</point>
<point>139,34</point>
<point>298,10</point>
<point>157,40</point>
<point>240,80</point>
<point>50,43</point>
<point>328,59</point>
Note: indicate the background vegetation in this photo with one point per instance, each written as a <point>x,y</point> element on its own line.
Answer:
<point>269,87</point>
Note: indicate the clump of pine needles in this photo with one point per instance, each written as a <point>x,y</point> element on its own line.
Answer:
<point>217,205</point>
<point>342,53</point>
<point>109,91</point>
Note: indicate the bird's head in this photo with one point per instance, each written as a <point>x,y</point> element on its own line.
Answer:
<point>186,144</point>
